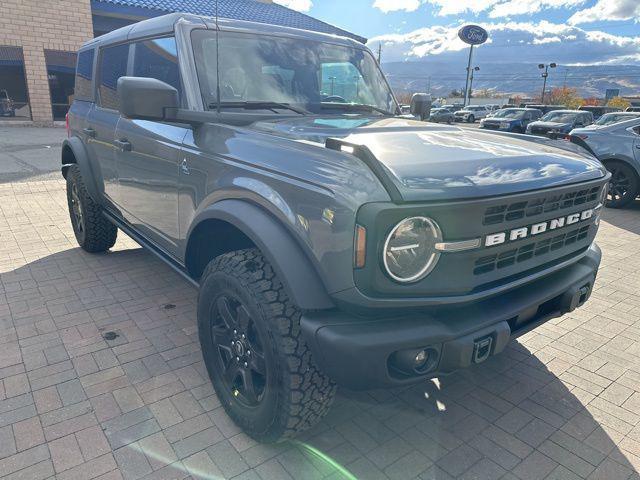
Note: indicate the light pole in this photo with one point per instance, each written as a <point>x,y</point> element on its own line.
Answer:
<point>333,79</point>
<point>544,76</point>
<point>474,69</point>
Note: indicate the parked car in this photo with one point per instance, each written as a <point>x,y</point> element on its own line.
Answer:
<point>598,110</point>
<point>439,115</point>
<point>558,122</point>
<point>610,118</point>
<point>7,107</point>
<point>454,107</point>
<point>471,113</point>
<point>511,119</point>
<point>617,146</point>
<point>332,242</point>
<point>632,109</point>
<point>545,108</point>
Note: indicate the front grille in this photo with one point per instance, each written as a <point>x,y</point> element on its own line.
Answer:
<point>492,126</point>
<point>539,130</point>
<point>530,208</point>
<point>489,263</point>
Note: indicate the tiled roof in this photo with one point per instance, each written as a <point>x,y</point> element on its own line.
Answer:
<point>250,10</point>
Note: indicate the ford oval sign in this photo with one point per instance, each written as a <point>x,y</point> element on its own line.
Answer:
<point>473,34</point>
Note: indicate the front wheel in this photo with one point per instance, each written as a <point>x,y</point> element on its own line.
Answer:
<point>623,186</point>
<point>471,119</point>
<point>258,362</point>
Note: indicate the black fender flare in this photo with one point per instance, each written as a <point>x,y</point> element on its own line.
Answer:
<point>82,160</point>
<point>292,265</point>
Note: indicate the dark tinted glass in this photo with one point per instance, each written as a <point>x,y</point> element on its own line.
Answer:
<point>113,65</point>
<point>158,59</point>
<point>84,75</point>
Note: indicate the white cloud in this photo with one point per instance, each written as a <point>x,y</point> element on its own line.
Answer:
<point>299,5</point>
<point>394,5</point>
<point>528,7</point>
<point>496,8</point>
<point>608,10</point>
<point>513,42</point>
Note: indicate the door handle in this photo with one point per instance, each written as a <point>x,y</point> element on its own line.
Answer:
<point>123,145</point>
<point>89,132</point>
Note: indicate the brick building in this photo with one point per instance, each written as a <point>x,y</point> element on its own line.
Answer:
<point>39,38</point>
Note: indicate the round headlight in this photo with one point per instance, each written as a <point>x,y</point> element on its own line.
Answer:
<point>409,250</point>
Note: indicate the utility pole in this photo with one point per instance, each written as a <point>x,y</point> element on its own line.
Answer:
<point>544,76</point>
<point>379,53</point>
<point>471,81</point>
<point>466,85</point>
<point>429,84</point>
<point>564,83</point>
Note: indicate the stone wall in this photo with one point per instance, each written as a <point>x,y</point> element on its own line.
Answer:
<point>36,25</point>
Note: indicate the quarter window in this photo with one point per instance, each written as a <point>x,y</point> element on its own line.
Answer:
<point>113,65</point>
<point>84,75</point>
<point>158,59</point>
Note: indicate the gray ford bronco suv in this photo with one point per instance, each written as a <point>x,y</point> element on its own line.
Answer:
<point>332,242</point>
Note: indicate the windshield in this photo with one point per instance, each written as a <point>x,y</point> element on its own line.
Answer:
<point>610,118</point>
<point>313,76</point>
<point>475,109</point>
<point>559,117</point>
<point>509,114</point>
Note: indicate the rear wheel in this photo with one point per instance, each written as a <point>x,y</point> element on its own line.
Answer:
<point>471,119</point>
<point>259,364</point>
<point>93,231</point>
<point>623,186</point>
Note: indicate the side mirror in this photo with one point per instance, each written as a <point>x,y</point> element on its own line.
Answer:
<point>146,98</point>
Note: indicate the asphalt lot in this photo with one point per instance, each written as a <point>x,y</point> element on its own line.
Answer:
<point>101,374</point>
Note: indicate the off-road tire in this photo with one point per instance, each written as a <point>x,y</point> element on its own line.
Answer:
<point>296,394</point>
<point>632,184</point>
<point>98,234</point>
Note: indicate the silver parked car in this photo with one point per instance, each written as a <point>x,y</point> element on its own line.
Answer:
<point>617,146</point>
<point>439,115</point>
<point>471,113</point>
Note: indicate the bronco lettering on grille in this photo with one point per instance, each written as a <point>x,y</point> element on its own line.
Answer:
<point>499,238</point>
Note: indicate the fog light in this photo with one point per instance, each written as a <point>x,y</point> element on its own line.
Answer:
<point>420,360</point>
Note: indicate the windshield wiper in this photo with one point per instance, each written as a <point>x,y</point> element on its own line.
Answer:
<point>357,107</point>
<point>259,105</point>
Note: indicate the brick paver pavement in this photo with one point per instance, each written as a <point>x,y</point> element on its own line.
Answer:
<point>101,377</point>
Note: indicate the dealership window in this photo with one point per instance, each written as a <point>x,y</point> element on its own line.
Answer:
<point>61,75</point>
<point>158,58</point>
<point>14,98</point>
<point>113,65</point>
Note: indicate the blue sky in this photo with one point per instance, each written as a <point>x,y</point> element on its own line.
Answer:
<point>570,31</point>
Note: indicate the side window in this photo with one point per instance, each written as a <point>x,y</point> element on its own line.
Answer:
<point>113,65</point>
<point>158,58</point>
<point>84,74</point>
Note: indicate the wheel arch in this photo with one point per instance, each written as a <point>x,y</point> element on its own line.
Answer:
<point>238,224</point>
<point>74,152</point>
<point>630,163</point>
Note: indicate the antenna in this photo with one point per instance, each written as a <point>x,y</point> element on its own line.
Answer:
<point>217,61</point>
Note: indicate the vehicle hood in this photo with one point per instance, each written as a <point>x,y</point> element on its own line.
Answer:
<point>428,162</point>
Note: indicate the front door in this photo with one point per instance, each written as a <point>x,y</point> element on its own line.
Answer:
<point>103,118</point>
<point>148,154</point>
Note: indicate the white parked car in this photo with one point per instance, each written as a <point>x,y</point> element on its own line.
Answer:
<point>471,113</point>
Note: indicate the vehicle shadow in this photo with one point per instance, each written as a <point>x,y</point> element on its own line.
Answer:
<point>521,412</point>
<point>627,218</point>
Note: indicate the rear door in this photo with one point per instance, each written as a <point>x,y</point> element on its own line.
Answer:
<point>103,118</point>
<point>148,155</point>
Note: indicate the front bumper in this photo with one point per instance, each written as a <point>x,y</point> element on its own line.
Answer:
<point>360,352</point>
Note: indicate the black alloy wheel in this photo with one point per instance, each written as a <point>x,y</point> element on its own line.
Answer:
<point>77,217</point>
<point>240,355</point>
<point>623,186</point>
